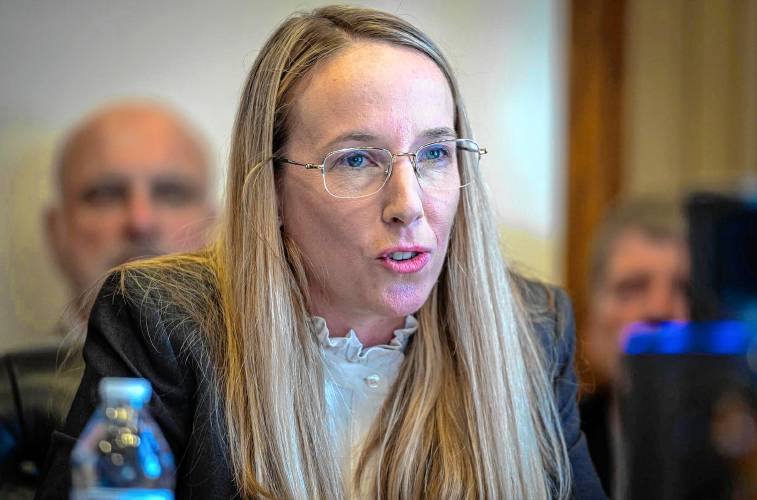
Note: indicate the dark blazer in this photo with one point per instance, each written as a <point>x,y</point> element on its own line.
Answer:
<point>138,338</point>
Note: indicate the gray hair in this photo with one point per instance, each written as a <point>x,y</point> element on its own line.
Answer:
<point>657,219</point>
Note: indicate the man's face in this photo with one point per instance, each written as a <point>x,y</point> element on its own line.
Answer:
<point>646,280</point>
<point>133,185</point>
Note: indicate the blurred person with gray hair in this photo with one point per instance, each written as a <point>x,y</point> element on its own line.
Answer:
<point>132,180</point>
<point>638,272</point>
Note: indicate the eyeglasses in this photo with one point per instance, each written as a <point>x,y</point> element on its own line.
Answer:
<point>361,172</point>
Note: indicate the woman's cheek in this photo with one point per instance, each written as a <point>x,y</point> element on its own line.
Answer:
<point>441,213</point>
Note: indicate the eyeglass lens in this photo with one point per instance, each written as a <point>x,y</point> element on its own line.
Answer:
<point>358,172</point>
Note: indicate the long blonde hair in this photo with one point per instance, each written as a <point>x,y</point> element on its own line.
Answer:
<point>472,414</point>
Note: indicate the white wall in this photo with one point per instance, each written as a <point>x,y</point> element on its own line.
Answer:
<point>59,59</point>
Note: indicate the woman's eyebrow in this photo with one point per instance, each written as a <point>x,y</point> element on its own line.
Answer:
<point>363,137</point>
<point>438,133</point>
<point>367,138</point>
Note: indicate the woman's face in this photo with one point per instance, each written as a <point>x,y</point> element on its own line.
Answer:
<point>381,95</point>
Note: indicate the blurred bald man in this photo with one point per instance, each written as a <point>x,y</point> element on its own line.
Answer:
<point>133,181</point>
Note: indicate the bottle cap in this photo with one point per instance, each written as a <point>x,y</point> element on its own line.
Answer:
<point>135,390</point>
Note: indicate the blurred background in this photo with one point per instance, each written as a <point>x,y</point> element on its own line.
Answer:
<point>580,103</point>
<point>662,102</point>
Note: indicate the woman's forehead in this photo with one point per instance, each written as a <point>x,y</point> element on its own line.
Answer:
<point>373,87</point>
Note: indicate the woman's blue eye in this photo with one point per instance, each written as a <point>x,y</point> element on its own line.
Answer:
<point>355,160</point>
<point>434,153</point>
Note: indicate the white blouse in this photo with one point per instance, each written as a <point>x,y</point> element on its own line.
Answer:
<point>358,381</point>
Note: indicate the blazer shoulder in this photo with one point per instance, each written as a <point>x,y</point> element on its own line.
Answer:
<point>550,313</point>
<point>545,304</point>
<point>173,301</point>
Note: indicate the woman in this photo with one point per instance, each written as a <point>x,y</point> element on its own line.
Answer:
<point>353,332</point>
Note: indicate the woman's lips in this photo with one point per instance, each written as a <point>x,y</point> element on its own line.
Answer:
<point>411,265</point>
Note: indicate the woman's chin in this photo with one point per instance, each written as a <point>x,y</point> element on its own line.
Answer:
<point>402,300</point>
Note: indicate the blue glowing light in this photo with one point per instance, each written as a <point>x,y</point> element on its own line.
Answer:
<point>714,337</point>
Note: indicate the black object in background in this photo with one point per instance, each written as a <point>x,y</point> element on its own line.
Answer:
<point>723,246</point>
<point>687,398</point>
<point>688,413</point>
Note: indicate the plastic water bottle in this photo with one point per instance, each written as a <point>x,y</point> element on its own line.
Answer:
<point>121,453</point>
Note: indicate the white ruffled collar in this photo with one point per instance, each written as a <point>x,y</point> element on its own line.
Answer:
<point>351,349</point>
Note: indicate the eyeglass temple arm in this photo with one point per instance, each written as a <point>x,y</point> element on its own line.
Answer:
<point>306,165</point>
<point>481,151</point>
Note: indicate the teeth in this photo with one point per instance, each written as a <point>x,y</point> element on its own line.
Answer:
<point>402,255</point>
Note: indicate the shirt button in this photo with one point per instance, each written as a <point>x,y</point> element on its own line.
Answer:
<point>372,381</point>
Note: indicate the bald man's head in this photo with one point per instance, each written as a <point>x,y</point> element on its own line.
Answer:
<point>133,181</point>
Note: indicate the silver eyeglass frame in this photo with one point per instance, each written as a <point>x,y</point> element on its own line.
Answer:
<point>410,155</point>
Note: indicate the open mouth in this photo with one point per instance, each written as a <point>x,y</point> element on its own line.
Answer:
<point>406,261</point>
<point>401,256</point>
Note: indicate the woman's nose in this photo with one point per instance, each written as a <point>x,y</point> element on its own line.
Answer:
<point>402,194</point>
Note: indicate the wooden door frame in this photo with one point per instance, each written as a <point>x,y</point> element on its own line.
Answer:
<point>595,142</point>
